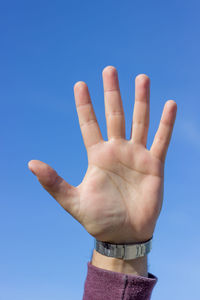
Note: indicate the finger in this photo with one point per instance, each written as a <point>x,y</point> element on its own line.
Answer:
<point>65,194</point>
<point>164,132</point>
<point>88,123</point>
<point>113,104</point>
<point>140,124</point>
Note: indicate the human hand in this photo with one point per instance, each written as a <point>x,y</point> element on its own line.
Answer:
<point>120,197</point>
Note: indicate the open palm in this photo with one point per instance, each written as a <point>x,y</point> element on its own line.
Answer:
<point>120,197</point>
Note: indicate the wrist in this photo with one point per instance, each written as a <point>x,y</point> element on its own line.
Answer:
<point>136,266</point>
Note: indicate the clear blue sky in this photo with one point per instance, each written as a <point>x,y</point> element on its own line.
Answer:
<point>46,46</point>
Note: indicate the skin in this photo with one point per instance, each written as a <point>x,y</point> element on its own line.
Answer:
<point>121,195</point>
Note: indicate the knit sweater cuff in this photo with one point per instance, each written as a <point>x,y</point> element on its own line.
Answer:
<point>102,284</point>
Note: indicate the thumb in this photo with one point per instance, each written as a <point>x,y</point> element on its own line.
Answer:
<point>65,194</point>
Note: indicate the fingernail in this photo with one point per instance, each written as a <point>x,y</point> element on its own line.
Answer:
<point>29,166</point>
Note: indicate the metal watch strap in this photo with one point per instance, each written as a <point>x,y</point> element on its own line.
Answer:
<point>123,251</point>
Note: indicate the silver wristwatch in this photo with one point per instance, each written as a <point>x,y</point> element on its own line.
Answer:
<point>124,251</point>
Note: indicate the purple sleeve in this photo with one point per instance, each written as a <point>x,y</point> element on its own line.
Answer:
<point>107,285</point>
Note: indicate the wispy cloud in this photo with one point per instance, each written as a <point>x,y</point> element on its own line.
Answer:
<point>190,130</point>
